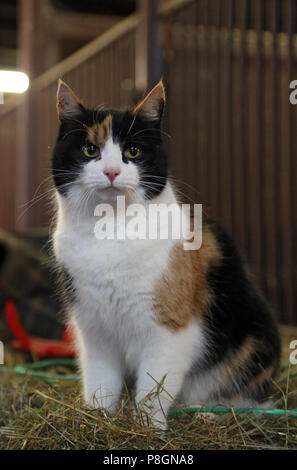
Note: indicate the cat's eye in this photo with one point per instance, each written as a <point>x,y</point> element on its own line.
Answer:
<point>91,151</point>
<point>132,152</point>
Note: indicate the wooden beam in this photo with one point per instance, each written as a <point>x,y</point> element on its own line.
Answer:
<point>74,60</point>
<point>81,25</point>
<point>168,7</point>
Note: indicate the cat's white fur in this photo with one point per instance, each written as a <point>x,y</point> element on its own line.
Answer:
<point>114,280</point>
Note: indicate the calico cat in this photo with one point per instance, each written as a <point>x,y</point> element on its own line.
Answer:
<point>187,325</point>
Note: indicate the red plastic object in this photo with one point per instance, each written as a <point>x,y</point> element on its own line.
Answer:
<point>39,346</point>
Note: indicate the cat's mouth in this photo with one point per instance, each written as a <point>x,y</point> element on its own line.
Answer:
<point>114,188</point>
<point>122,187</point>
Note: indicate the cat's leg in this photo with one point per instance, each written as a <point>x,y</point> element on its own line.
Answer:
<point>164,362</point>
<point>101,371</point>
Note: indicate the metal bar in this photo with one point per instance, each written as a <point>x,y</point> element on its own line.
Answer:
<point>243,125</point>
<point>215,113</point>
<point>226,115</point>
<point>189,94</point>
<point>238,184</point>
<point>148,56</point>
<point>255,107</point>
<point>289,285</point>
<point>271,139</point>
<point>25,155</point>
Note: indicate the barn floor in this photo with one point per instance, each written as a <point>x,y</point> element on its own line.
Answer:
<point>38,415</point>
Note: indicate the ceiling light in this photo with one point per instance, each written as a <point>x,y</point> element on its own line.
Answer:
<point>13,82</point>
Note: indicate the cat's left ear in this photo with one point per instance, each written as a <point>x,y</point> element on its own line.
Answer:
<point>68,104</point>
<point>151,107</point>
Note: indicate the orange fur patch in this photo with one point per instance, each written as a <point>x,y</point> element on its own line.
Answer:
<point>183,291</point>
<point>264,376</point>
<point>100,132</point>
<point>239,360</point>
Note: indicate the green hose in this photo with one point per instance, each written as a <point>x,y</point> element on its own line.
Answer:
<point>271,411</point>
<point>32,370</point>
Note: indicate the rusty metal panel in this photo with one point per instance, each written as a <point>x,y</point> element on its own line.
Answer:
<point>8,169</point>
<point>233,128</point>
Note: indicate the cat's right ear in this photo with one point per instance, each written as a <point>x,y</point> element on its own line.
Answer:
<point>151,107</point>
<point>68,104</point>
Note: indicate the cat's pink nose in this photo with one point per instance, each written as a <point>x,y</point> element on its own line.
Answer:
<point>112,174</point>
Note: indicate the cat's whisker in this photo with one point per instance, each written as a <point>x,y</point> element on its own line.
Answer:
<point>64,170</point>
<point>39,198</point>
<point>36,198</point>
<point>152,185</point>
<point>152,182</point>
<point>75,120</point>
<point>132,124</point>
<point>43,182</point>
<point>152,129</point>
<point>175,181</point>
<point>81,204</point>
<point>73,130</point>
<point>50,177</point>
<point>39,186</point>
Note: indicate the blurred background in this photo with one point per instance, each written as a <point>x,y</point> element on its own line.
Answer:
<point>227,67</point>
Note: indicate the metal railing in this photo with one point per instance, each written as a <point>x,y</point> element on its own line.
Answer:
<point>228,69</point>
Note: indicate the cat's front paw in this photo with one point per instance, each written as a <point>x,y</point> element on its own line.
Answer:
<point>97,400</point>
<point>157,421</point>
<point>149,415</point>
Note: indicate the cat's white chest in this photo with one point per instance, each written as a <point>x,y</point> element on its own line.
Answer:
<point>114,282</point>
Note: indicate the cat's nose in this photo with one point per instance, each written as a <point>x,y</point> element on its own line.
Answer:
<point>112,174</point>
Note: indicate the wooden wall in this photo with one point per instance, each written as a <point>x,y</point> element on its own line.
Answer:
<point>227,69</point>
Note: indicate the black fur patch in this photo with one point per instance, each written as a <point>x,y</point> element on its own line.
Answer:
<point>238,312</point>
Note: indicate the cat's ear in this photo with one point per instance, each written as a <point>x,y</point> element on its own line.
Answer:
<point>151,107</point>
<point>68,104</point>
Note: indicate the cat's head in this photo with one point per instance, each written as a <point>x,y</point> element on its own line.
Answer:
<point>110,152</point>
